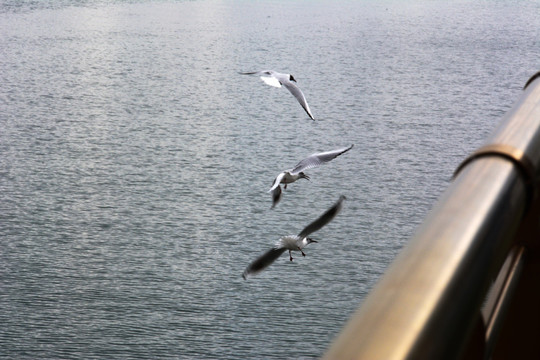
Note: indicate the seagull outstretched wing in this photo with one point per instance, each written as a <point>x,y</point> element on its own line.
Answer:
<point>276,196</point>
<point>263,262</point>
<point>317,159</point>
<point>277,181</point>
<point>323,219</point>
<point>299,95</point>
<point>277,79</point>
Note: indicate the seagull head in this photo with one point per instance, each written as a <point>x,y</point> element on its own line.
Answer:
<point>303,176</point>
<point>291,78</point>
<point>310,240</point>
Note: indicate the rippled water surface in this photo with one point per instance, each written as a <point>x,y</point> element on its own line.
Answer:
<point>135,160</point>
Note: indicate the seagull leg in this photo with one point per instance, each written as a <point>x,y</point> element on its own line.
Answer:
<point>290,255</point>
<point>285,187</point>
<point>302,252</point>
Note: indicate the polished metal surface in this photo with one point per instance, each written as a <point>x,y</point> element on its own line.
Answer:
<point>517,156</point>
<point>520,127</point>
<point>426,304</point>
<point>497,303</point>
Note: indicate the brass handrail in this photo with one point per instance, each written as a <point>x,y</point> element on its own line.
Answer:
<point>428,303</point>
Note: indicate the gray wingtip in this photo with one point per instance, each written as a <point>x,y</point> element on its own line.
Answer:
<point>308,112</point>
<point>339,204</point>
<point>276,196</point>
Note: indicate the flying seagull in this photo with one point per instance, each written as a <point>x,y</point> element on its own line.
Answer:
<point>291,175</point>
<point>276,79</point>
<point>293,242</point>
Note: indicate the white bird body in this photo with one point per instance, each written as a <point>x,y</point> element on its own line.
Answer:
<point>291,175</point>
<point>286,177</point>
<point>289,178</point>
<point>276,79</point>
<point>271,80</point>
<point>293,242</point>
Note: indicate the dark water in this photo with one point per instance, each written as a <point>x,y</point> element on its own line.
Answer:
<point>134,162</point>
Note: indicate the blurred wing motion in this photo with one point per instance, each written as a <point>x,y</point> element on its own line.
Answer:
<point>276,196</point>
<point>323,219</point>
<point>263,262</point>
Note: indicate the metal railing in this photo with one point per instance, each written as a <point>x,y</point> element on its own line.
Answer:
<point>446,294</point>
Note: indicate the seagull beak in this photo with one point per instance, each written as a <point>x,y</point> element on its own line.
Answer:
<point>306,177</point>
<point>315,241</point>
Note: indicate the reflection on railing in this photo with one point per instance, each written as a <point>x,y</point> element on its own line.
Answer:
<point>467,285</point>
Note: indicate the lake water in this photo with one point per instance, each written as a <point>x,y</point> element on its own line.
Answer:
<point>135,162</point>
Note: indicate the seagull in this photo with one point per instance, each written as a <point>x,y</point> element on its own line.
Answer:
<point>276,79</point>
<point>291,175</point>
<point>293,242</point>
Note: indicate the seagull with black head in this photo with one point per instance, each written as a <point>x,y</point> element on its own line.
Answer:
<point>293,242</point>
<point>276,79</point>
<point>289,176</point>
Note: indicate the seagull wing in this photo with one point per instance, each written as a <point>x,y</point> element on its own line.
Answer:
<point>276,196</point>
<point>323,219</point>
<point>315,160</point>
<point>276,189</point>
<point>262,262</point>
<point>259,73</point>
<point>268,76</point>
<point>277,181</point>
<point>295,90</point>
